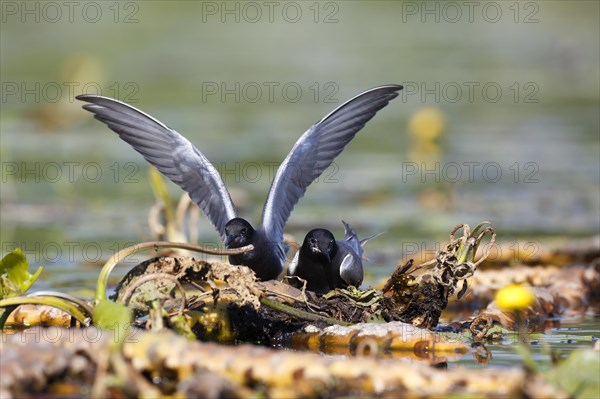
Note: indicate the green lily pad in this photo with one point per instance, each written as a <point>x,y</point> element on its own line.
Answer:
<point>15,278</point>
<point>113,316</point>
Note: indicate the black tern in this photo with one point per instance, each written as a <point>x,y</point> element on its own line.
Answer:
<point>326,263</point>
<point>177,158</point>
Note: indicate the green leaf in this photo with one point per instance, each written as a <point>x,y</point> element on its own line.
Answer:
<point>181,324</point>
<point>161,193</point>
<point>15,278</point>
<point>578,374</point>
<point>113,316</point>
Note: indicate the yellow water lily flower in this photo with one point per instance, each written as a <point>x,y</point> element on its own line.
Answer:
<point>514,297</point>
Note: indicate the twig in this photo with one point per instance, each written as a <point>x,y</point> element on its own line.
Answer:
<point>300,313</point>
<point>312,307</point>
<point>80,302</point>
<point>154,276</point>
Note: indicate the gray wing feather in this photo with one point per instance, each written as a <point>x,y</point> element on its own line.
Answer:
<point>315,151</point>
<point>352,239</point>
<point>369,238</point>
<point>171,153</point>
<point>351,270</point>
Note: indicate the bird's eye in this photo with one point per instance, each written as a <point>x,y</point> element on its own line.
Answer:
<point>244,231</point>
<point>313,241</point>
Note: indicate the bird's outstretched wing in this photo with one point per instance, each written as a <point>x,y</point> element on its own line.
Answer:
<point>315,151</point>
<point>171,153</point>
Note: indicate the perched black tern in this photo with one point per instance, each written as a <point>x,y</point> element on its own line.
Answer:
<point>326,263</point>
<point>176,158</point>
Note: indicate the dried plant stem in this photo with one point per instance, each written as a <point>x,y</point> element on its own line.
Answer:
<point>122,254</point>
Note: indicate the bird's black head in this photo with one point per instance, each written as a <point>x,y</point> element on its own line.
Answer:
<point>320,243</point>
<point>239,233</point>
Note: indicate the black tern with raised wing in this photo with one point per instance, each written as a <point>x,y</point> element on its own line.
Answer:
<point>177,158</point>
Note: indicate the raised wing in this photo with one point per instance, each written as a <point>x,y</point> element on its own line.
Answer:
<point>315,151</point>
<point>171,153</point>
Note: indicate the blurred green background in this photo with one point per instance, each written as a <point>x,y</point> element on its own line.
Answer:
<point>499,119</point>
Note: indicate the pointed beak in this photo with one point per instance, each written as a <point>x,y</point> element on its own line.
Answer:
<point>315,248</point>
<point>326,255</point>
<point>228,240</point>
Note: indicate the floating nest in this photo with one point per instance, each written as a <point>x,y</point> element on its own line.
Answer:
<point>164,328</point>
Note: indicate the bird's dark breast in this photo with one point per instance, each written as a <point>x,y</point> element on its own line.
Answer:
<point>317,279</point>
